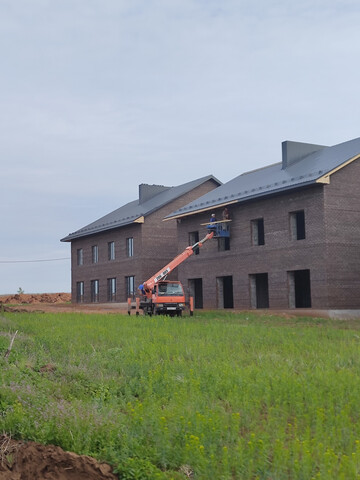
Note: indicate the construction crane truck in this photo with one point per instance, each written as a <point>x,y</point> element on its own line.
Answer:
<point>166,297</point>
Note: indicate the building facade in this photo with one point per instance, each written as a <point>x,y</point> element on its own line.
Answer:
<point>113,255</point>
<point>294,235</point>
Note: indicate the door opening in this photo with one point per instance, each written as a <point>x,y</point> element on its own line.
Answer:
<point>299,289</point>
<point>259,290</point>
<point>225,296</point>
<point>196,291</point>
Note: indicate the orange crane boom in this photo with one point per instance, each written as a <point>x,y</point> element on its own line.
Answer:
<point>148,286</point>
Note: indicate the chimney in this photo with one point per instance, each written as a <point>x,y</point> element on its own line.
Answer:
<point>292,152</point>
<point>149,191</point>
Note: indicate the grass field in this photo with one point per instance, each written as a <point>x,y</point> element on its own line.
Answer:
<point>214,396</point>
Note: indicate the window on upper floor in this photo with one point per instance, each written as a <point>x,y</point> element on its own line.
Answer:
<point>79,256</point>
<point>95,254</point>
<point>111,250</point>
<point>223,244</point>
<point>297,225</point>
<point>257,231</point>
<point>194,238</point>
<point>130,247</point>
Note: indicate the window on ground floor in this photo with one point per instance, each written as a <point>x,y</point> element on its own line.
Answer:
<point>111,288</point>
<point>94,286</point>
<point>80,292</point>
<point>130,286</point>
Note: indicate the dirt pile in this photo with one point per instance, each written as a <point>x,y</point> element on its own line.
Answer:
<point>30,461</point>
<point>35,298</point>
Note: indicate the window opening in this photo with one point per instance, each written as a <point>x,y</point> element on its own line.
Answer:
<point>80,256</point>
<point>79,292</point>
<point>130,247</point>
<point>223,244</point>
<point>194,238</point>
<point>297,225</point>
<point>111,289</point>
<point>111,250</point>
<point>95,290</point>
<point>258,231</point>
<point>95,253</point>
<point>130,286</point>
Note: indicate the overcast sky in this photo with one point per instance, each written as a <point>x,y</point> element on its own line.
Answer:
<point>98,96</point>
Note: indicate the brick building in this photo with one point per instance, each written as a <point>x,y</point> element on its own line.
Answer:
<point>113,255</point>
<point>294,236</point>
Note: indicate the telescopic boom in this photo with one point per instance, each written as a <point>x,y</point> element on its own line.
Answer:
<point>148,286</point>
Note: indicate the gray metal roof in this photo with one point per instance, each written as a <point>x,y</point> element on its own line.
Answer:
<point>151,198</point>
<point>298,168</point>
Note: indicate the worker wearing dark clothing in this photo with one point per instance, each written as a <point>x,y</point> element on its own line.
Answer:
<point>226,214</point>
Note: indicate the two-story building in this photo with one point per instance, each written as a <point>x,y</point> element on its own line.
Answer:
<point>114,254</point>
<point>294,236</point>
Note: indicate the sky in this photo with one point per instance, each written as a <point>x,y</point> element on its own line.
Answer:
<point>99,96</point>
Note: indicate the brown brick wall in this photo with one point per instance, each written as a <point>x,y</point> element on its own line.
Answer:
<point>342,206</point>
<point>279,255</point>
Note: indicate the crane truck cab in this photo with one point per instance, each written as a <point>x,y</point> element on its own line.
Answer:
<point>167,298</point>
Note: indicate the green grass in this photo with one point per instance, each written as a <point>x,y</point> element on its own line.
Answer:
<point>216,396</point>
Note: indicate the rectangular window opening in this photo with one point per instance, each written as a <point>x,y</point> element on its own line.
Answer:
<point>258,231</point>
<point>95,254</point>
<point>194,238</point>
<point>80,292</point>
<point>223,244</point>
<point>80,256</point>
<point>130,247</point>
<point>111,250</point>
<point>94,290</point>
<point>111,283</point>
<point>297,225</point>
<point>130,286</point>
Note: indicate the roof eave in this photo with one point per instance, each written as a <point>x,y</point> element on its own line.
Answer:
<point>243,199</point>
<point>75,236</point>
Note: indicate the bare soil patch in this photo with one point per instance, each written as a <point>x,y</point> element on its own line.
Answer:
<point>30,461</point>
<point>55,302</point>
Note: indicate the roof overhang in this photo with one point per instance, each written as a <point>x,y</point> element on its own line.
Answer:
<point>200,210</point>
<point>326,178</point>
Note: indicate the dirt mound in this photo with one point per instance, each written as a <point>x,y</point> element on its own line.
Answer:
<point>36,298</point>
<point>30,461</point>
